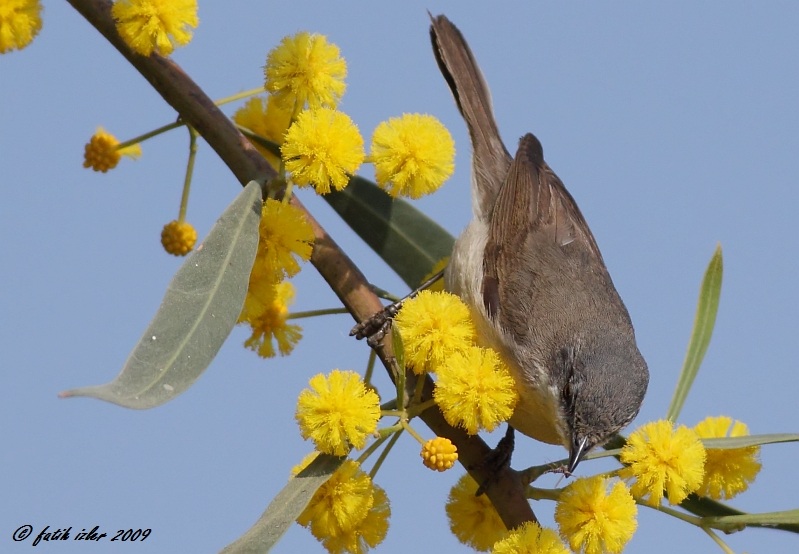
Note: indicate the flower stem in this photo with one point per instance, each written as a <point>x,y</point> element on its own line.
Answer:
<point>184,199</point>
<point>412,431</point>
<point>370,368</point>
<point>372,447</point>
<point>151,134</point>
<point>239,96</point>
<point>675,513</point>
<point>384,453</point>
<point>717,540</point>
<point>314,313</point>
<point>179,123</point>
<point>536,493</point>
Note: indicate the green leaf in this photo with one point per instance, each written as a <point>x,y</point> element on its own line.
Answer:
<point>399,357</point>
<point>410,242</point>
<point>749,440</point>
<point>705,319</point>
<point>198,312</point>
<point>285,507</point>
<point>766,519</point>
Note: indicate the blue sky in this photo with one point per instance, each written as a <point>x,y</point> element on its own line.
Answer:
<point>674,126</point>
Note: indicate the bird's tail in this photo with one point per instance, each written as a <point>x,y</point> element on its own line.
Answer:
<point>491,160</point>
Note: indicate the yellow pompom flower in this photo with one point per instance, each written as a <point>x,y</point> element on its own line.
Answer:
<point>285,236</point>
<point>178,237</point>
<point>349,513</point>
<point>369,533</point>
<point>475,390</point>
<point>530,539</point>
<point>662,458</point>
<point>149,26</point>
<point>265,118</point>
<point>337,411</point>
<point>265,311</point>
<point>473,519</point>
<point>439,454</point>
<point>305,68</point>
<point>433,326</point>
<point>102,153</point>
<point>322,148</point>
<point>728,472</point>
<point>20,22</point>
<point>413,155</point>
<point>593,520</point>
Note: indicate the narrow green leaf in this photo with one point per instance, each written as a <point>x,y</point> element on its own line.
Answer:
<point>399,356</point>
<point>198,311</point>
<point>749,440</point>
<point>398,346</point>
<point>705,319</point>
<point>766,519</point>
<point>731,519</point>
<point>285,507</point>
<point>410,242</point>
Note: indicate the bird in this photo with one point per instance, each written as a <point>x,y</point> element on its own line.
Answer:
<point>530,269</point>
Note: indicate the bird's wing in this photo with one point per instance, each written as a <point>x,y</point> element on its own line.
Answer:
<point>532,201</point>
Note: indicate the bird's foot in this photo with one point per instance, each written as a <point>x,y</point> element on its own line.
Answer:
<point>377,326</point>
<point>497,460</point>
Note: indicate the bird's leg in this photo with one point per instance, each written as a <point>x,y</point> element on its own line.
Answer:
<point>376,327</point>
<point>498,459</point>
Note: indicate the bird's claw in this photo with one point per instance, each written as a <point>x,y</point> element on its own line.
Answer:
<point>377,326</point>
<point>497,460</point>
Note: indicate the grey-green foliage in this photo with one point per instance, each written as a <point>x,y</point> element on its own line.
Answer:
<point>198,311</point>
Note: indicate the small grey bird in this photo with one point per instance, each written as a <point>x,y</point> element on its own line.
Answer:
<point>530,269</point>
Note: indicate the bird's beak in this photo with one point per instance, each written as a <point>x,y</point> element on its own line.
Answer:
<point>576,453</point>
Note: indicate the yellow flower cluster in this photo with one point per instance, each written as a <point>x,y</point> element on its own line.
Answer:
<point>439,454</point>
<point>178,237</point>
<point>305,69</point>
<point>433,326</point>
<point>663,459</point>
<point>285,237</point>
<point>102,152</point>
<point>413,154</point>
<point>337,412</point>
<point>20,22</point>
<point>593,520</point>
<point>349,513</point>
<point>474,388</point>
<point>530,539</point>
<point>149,26</point>
<point>728,472</point>
<point>322,148</point>
<point>266,310</point>
<point>597,517</point>
<point>265,118</point>
<point>473,519</point>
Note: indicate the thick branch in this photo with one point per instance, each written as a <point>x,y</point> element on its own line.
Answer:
<point>346,280</point>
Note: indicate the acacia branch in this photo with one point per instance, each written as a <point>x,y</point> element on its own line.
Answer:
<point>343,276</point>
